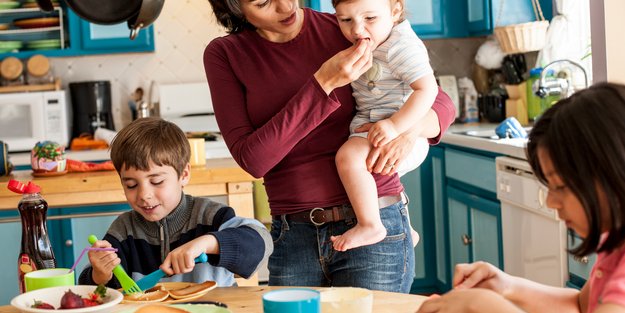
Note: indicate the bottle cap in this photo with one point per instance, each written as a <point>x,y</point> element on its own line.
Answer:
<point>19,187</point>
<point>536,71</point>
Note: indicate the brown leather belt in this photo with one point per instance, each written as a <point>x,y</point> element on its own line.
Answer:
<point>320,216</point>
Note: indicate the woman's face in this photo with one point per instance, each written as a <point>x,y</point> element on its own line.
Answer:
<point>275,20</point>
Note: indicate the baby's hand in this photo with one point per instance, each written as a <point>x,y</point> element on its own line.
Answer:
<point>182,259</point>
<point>382,132</point>
<point>102,262</point>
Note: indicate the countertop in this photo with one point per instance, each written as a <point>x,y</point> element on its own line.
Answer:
<point>218,177</point>
<point>511,147</point>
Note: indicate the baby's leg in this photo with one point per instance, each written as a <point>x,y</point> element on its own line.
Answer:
<point>413,160</point>
<point>363,195</point>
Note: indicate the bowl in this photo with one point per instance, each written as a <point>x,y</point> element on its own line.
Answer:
<point>346,299</point>
<point>48,278</point>
<point>53,296</point>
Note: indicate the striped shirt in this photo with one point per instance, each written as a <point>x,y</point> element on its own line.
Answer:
<point>398,62</point>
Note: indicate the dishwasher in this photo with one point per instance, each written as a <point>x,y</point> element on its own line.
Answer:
<point>534,238</point>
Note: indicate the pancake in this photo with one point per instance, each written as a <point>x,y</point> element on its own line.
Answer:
<point>192,290</point>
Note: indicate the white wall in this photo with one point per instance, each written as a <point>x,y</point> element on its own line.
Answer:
<point>182,31</point>
<point>608,46</point>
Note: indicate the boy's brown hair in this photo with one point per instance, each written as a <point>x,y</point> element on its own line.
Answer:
<point>150,139</point>
<point>402,17</point>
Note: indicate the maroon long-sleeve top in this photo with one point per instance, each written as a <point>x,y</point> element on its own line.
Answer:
<point>278,122</point>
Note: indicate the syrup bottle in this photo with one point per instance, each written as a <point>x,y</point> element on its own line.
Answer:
<point>36,251</point>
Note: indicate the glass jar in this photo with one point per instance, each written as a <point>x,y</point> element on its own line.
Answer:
<point>12,71</point>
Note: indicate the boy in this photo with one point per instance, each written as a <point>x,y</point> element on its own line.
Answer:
<point>395,94</point>
<point>167,228</point>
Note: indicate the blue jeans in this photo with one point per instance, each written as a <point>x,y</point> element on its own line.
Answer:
<point>303,255</point>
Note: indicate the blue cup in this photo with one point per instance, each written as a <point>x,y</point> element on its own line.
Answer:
<point>292,300</point>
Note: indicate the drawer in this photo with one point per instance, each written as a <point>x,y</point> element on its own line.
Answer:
<point>473,169</point>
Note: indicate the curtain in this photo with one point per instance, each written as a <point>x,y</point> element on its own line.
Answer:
<point>568,37</point>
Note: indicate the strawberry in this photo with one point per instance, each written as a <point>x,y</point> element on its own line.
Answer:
<point>42,305</point>
<point>89,302</point>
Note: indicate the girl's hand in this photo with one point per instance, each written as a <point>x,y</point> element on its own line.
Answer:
<point>481,275</point>
<point>345,67</point>
<point>393,153</point>
<point>382,132</point>
<point>468,300</point>
<point>182,259</point>
<point>102,262</point>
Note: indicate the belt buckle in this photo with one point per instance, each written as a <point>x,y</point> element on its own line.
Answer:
<point>312,219</point>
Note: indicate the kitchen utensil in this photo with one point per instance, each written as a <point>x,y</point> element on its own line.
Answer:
<point>137,13</point>
<point>46,278</point>
<point>53,297</point>
<point>152,279</point>
<point>89,249</point>
<point>127,283</point>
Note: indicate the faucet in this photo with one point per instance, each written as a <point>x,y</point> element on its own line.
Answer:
<point>557,86</point>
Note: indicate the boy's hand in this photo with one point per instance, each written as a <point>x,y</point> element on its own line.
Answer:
<point>382,132</point>
<point>181,259</point>
<point>102,262</point>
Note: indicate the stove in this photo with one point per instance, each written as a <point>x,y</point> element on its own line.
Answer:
<point>194,115</point>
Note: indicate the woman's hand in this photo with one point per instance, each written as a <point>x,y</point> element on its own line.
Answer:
<point>345,66</point>
<point>468,300</point>
<point>393,153</point>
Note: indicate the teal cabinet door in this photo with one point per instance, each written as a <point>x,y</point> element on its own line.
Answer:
<point>321,5</point>
<point>474,229</point>
<point>579,267</point>
<point>11,242</point>
<point>89,38</point>
<point>425,189</point>
<point>75,229</point>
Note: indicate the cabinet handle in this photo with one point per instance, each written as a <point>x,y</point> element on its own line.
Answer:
<point>583,260</point>
<point>466,240</point>
<point>69,243</point>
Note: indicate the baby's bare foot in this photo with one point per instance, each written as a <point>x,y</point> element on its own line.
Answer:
<point>359,236</point>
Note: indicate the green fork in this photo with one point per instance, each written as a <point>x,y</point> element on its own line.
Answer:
<point>127,283</point>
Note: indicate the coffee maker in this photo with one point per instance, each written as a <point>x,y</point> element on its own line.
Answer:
<point>91,103</point>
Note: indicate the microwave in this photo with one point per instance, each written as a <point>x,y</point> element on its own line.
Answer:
<point>26,118</point>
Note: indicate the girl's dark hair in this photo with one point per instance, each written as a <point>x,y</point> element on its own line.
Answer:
<point>150,139</point>
<point>230,16</point>
<point>584,137</point>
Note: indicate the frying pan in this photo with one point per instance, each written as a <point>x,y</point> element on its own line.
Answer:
<point>138,13</point>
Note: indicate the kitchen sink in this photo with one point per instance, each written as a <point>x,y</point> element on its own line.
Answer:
<point>483,133</point>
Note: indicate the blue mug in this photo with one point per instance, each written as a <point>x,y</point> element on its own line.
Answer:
<point>292,300</point>
<point>5,165</point>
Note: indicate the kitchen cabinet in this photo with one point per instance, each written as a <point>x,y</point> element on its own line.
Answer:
<point>11,242</point>
<point>459,18</point>
<point>425,188</point>
<point>474,229</point>
<point>579,268</point>
<point>73,35</point>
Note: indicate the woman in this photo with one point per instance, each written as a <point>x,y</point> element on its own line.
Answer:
<point>279,85</point>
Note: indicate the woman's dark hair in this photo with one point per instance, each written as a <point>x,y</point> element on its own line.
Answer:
<point>584,136</point>
<point>230,16</point>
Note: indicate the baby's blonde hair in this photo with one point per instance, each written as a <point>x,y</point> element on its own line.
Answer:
<point>402,17</point>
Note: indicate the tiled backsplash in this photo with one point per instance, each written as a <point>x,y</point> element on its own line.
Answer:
<point>182,32</point>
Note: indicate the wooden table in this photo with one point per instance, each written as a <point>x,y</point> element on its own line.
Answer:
<point>249,300</point>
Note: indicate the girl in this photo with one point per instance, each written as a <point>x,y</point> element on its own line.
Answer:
<point>577,149</point>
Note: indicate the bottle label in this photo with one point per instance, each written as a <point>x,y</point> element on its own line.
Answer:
<point>25,264</point>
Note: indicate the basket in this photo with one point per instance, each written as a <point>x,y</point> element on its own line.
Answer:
<point>525,37</point>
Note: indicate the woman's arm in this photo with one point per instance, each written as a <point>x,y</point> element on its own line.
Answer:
<point>258,150</point>
<point>435,124</point>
